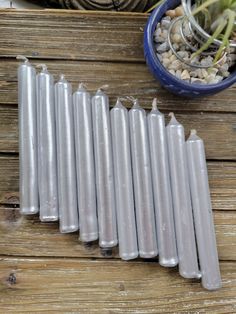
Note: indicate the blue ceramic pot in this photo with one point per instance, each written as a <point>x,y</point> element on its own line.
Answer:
<point>170,82</point>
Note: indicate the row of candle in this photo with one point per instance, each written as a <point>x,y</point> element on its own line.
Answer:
<point>97,171</point>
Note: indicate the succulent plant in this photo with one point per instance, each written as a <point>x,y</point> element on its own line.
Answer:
<point>218,19</point>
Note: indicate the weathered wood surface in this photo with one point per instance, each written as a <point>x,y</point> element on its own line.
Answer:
<point>123,79</point>
<point>55,272</point>
<point>85,286</point>
<point>217,130</point>
<point>26,236</point>
<point>222,178</point>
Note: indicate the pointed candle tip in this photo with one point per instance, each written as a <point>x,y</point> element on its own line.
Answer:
<point>118,102</point>
<point>173,119</point>
<point>193,132</point>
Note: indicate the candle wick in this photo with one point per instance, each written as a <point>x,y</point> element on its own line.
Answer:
<point>43,66</point>
<point>193,132</point>
<point>21,57</point>
<point>82,86</point>
<point>154,104</point>
<point>103,87</point>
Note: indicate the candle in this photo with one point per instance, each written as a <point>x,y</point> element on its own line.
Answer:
<point>29,200</point>
<point>67,191</point>
<point>85,165</point>
<point>128,248</point>
<point>47,164</point>
<point>142,182</point>
<point>104,171</point>
<point>161,188</point>
<point>202,211</point>
<point>186,245</point>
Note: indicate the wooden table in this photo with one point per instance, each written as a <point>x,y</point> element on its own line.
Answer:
<point>42,270</point>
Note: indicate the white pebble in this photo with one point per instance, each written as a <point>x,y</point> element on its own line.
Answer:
<point>197,80</point>
<point>185,75</point>
<point>204,73</point>
<point>179,11</point>
<point>176,38</point>
<point>170,13</point>
<point>163,47</point>
<point>172,72</point>
<point>165,23</point>
<point>178,74</point>
<point>166,62</point>
<point>175,65</point>
<point>173,58</point>
<point>165,54</point>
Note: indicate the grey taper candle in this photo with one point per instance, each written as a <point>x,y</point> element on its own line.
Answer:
<point>67,190</point>
<point>29,198</point>
<point>128,248</point>
<point>143,193</point>
<point>202,211</point>
<point>85,165</point>
<point>47,158</point>
<point>104,171</point>
<point>166,237</point>
<point>186,244</point>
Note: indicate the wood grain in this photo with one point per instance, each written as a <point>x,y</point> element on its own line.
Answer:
<point>109,287</point>
<point>72,35</point>
<point>219,135</point>
<point>123,79</point>
<point>222,179</point>
<point>26,236</point>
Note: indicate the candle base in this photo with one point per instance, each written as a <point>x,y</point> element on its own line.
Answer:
<point>88,237</point>
<point>172,262</point>
<point>29,210</point>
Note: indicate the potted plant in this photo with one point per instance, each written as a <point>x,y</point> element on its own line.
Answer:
<point>196,54</point>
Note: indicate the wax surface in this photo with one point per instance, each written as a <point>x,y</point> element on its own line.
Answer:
<point>68,208</point>
<point>202,210</point>
<point>85,165</point>
<point>128,248</point>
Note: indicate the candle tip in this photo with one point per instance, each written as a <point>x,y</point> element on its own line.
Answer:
<point>193,136</point>
<point>118,103</point>
<point>173,119</point>
<point>43,66</point>
<point>154,104</point>
<point>23,58</point>
<point>82,86</point>
<point>103,87</point>
<point>62,78</point>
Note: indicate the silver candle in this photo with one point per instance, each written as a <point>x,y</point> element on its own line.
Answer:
<point>161,188</point>
<point>186,244</point>
<point>85,165</point>
<point>145,217</point>
<point>47,163</point>
<point>29,199</point>
<point>104,171</point>
<point>128,248</point>
<point>202,211</point>
<point>67,190</point>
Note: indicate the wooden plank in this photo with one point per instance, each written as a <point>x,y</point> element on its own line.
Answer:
<point>123,79</point>
<point>83,286</point>
<point>219,135</point>
<point>72,35</point>
<point>26,236</point>
<point>222,179</point>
